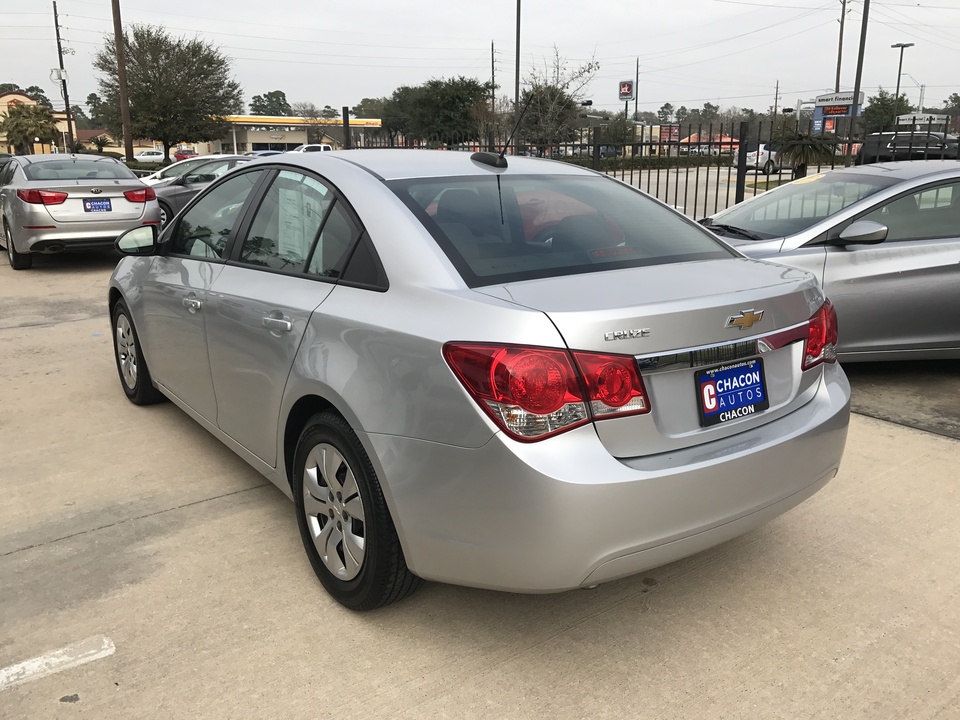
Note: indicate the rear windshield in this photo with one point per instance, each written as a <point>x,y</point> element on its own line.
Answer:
<point>498,229</point>
<point>796,206</point>
<point>79,169</point>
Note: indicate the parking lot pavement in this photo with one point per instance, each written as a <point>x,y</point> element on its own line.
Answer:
<point>134,527</point>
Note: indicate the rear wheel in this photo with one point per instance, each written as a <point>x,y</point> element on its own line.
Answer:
<point>345,525</point>
<point>166,214</point>
<point>18,261</point>
<point>132,368</point>
<point>769,167</point>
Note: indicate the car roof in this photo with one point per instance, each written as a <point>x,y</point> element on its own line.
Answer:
<point>406,163</point>
<point>904,169</point>
<point>62,156</point>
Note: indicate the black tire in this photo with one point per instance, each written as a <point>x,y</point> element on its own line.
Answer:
<point>167,214</point>
<point>769,167</point>
<point>18,260</point>
<point>382,576</point>
<point>138,385</point>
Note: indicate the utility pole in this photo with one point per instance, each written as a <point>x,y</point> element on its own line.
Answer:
<point>516,92</point>
<point>776,99</point>
<point>63,78</point>
<point>856,84</point>
<point>636,90</point>
<point>493,80</point>
<point>122,82</point>
<point>843,17</point>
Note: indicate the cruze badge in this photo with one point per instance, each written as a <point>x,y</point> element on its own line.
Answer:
<point>627,334</point>
<point>746,318</point>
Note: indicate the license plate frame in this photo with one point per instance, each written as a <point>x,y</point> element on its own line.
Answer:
<point>96,205</point>
<point>731,391</point>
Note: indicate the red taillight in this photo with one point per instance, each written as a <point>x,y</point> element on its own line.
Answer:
<point>821,344</point>
<point>42,197</point>
<point>533,393</point>
<point>139,196</point>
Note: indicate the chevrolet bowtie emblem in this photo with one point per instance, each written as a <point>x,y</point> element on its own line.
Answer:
<point>745,319</point>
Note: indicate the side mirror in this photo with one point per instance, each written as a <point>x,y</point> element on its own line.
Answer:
<point>863,232</point>
<point>138,241</point>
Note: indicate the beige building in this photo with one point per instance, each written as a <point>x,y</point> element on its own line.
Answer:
<point>266,132</point>
<point>11,99</point>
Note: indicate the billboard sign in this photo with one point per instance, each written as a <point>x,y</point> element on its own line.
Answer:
<point>837,99</point>
<point>627,90</point>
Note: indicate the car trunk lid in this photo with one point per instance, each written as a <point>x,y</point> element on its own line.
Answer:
<point>687,324</point>
<point>95,200</point>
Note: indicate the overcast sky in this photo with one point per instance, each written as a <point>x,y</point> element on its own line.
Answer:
<point>727,52</point>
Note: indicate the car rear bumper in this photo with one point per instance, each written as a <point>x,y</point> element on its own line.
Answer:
<point>563,513</point>
<point>64,237</point>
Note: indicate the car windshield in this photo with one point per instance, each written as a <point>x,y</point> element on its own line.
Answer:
<point>498,229</point>
<point>798,205</point>
<point>77,169</point>
<point>178,169</point>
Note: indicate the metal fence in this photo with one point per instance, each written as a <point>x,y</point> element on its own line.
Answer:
<point>702,169</point>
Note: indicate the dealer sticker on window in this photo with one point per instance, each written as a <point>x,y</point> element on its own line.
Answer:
<point>97,205</point>
<point>732,391</point>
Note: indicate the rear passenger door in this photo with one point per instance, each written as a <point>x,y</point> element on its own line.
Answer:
<point>288,259</point>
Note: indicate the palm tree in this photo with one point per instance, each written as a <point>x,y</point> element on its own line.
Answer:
<point>799,149</point>
<point>23,123</point>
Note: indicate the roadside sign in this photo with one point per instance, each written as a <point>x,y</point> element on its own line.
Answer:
<point>627,90</point>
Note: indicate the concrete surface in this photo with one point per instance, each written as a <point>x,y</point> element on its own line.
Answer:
<point>134,526</point>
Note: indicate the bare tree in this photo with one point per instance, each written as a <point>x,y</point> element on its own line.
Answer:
<point>553,100</point>
<point>312,114</point>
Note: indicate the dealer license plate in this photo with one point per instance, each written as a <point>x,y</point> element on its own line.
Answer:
<point>731,391</point>
<point>97,205</point>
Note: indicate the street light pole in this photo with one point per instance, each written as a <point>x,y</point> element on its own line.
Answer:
<point>896,96</point>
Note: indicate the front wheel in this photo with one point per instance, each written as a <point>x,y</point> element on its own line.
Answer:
<point>17,260</point>
<point>345,525</point>
<point>132,368</point>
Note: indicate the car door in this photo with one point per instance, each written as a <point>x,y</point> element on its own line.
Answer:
<point>175,293</point>
<point>286,264</point>
<point>903,293</point>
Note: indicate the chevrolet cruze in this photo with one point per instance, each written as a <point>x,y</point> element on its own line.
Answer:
<point>507,373</point>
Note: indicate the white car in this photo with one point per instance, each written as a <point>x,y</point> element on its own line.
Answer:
<point>763,158</point>
<point>150,156</point>
<point>315,147</point>
<point>179,168</point>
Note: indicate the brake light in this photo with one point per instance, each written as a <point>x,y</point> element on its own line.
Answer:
<point>42,197</point>
<point>533,393</point>
<point>821,343</point>
<point>139,196</point>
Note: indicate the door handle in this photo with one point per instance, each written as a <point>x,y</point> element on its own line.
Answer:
<point>277,324</point>
<point>192,304</point>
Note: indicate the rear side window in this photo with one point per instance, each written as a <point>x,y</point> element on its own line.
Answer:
<point>78,169</point>
<point>507,229</point>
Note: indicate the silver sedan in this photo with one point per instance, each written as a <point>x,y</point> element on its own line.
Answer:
<point>884,241</point>
<point>175,191</point>
<point>504,373</point>
<point>51,203</point>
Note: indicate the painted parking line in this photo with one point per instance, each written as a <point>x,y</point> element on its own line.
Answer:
<point>79,653</point>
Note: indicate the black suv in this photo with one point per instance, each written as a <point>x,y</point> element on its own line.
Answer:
<point>907,145</point>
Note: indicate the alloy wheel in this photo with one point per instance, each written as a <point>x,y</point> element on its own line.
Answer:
<point>334,511</point>
<point>126,352</point>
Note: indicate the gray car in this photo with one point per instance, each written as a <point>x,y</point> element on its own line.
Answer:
<point>494,372</point>
<point>51,203</point>
<point>173,193</point>
<point>883,240</point>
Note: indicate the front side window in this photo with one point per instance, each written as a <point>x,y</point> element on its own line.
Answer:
<point>510,228</point>
<point>931,213</point>
<point>204,229</point>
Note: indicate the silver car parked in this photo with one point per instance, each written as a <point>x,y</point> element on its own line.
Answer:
<point>529,377</point>
<point>174,192</point>
<point>883,240</point>
<point>51,203</point>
